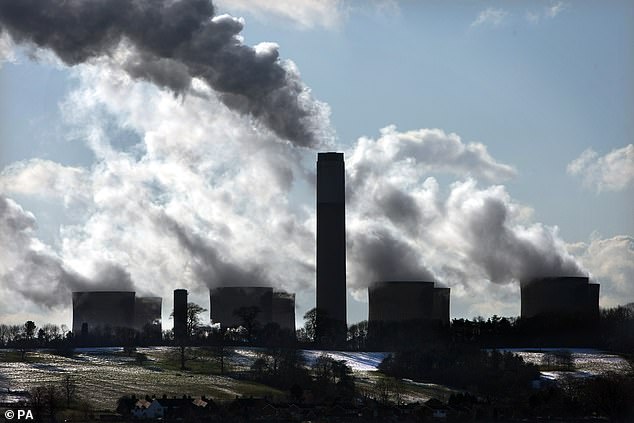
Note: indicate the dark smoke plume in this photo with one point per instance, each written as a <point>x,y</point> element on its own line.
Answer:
<point>175,40</point>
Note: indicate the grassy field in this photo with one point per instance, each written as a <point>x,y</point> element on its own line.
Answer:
<point>104,376</point>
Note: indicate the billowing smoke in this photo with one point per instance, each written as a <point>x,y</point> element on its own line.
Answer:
<point>494,237</point>
<point>28,267</point>
<point>210,267</point>
<point>379,256</point>
<point>401,226</point>
<point>168,42</point>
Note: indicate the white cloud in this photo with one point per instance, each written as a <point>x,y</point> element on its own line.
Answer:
<point>46,179</point>
<point>400,224</point>
<point>423,151</point>
<point>555,9</point>
<point>611,263</point>
<point>490,17</point>
<point>304,13</point>
<point>548,12</point>
<point>7,53</point>
<point>611,172</point>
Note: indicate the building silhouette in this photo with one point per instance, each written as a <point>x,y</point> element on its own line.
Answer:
<point>180,315</point>
<point>284,310</point>
<point>405,312</point>
<point>562,296</point>
<point>230,305</point>
<point>147,317</point>
<point>102,311</point>
<point>400,301</point>
<point>227,303</point>
<point>331,249</point>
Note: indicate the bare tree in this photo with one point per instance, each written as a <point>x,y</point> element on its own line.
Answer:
<point>69,388</point>
<point>248,315</point>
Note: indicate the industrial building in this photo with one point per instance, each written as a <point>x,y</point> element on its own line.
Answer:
<point>563,296</point>
<point>102,311</point>
<point>106,311</point>
<point>180,314</point>
<point>400,312</point>
<point>401,301</point>
<point>283,312</point>
<point>229,304</point>
<point>331,248</point>
<point>147,316</point>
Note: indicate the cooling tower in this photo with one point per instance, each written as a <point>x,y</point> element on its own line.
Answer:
<point>561,296</point>
<point>440,310</point>
<point>331,248</point>
<point>284,310</point>
<point>401,301</point>
<point>147,316</point>
<point>103,310</point>
<point>180,314</point>
<point>226,304</point>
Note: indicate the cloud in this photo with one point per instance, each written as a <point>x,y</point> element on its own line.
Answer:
<point>611,172</point>
<point>306,14</point>
<point>468,238</point>
<point>169,43</point>
<point>6,48</point>
<point>490,17</point>
<point>421,152</point>
<point>611,263</point>
<point>548,12</point>
<point>38,274</point>
<point>46,179</point>
<point>555,9</point>
<point>206,198</point>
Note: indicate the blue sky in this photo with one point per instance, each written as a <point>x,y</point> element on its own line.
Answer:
<point>537,83</point>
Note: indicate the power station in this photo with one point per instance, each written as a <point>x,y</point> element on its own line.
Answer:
<point>102,310</point>
<point>394,306</point>
<point>331,248</point>
<point>147,317</point>
<point>402,301</point>
<point>230,305</point>
<point>563,296</point>
<point>105,312</point>
<point>180,315</point>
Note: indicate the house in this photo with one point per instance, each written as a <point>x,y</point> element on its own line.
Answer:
<point>145,409</point>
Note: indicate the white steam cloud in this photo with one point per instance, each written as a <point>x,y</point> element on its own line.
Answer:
<point>611,172</point>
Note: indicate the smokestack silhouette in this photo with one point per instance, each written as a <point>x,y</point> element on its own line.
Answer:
<point>180,314</point>
<point>331,248</point>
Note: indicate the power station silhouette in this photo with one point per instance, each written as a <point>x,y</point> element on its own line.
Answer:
<point>331,248</point>
<point>392,304</point>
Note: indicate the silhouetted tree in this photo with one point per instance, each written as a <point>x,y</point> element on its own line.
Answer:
<point>193,318</point>
<point>248,316</point>
<point>29,329</point>
<point>310,324</point>
<point>69,388</point>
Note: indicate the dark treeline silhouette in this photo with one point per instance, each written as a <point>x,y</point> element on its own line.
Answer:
<point>613,331</point>
<point>462,366</point>
<point>327,379</point>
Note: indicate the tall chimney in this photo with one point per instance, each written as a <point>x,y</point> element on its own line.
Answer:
<point>180,315</point>
<point>331,249</point>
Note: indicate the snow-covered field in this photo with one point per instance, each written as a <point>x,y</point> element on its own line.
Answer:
<point>103,374</point>
<point>587,361</point>
<point>358,361</point>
